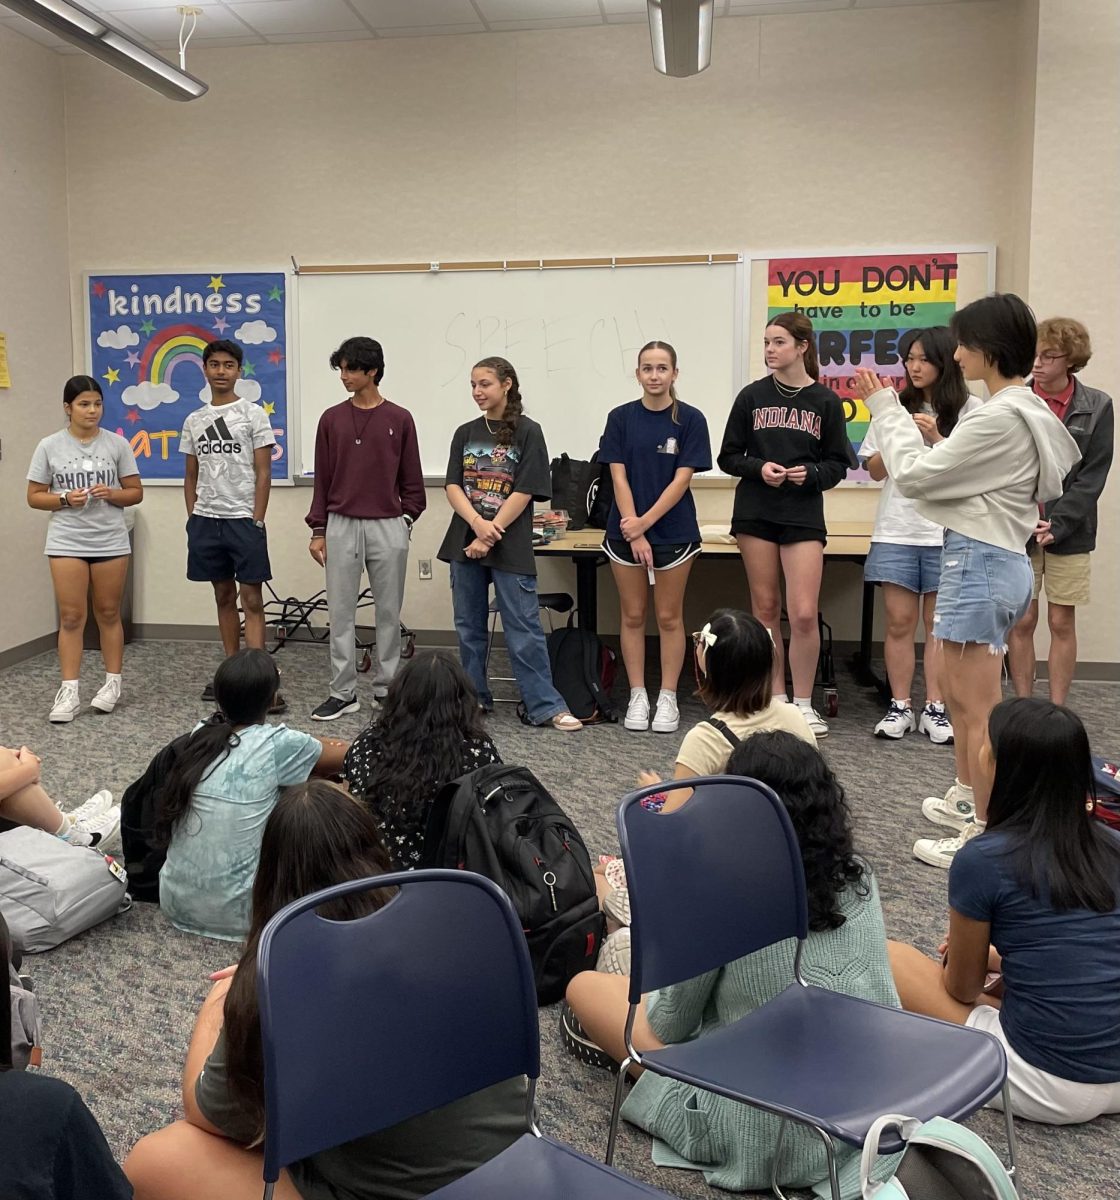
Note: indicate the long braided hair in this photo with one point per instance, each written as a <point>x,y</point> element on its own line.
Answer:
<point>505,373</point>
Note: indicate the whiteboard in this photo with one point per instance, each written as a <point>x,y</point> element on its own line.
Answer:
<point>572,334</point>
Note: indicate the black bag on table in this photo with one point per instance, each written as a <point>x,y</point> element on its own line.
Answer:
<point>501,822</point>
<point>583,489</point>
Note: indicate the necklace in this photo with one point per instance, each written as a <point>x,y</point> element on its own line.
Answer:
<point>784,390</point>
<point>354,421</point>
<point>491,432</point>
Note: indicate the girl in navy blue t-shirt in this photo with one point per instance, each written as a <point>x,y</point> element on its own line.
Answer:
<point>1033,952</point>
<point>653,446</point>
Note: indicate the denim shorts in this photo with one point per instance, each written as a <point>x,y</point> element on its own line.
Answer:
<point>985,590</point>
<point>915,568</point>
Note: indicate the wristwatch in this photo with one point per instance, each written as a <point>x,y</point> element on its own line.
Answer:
<point>259,525</point>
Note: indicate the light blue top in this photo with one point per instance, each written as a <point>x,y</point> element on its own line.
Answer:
<point>97,529</point>
<point>206,882</point>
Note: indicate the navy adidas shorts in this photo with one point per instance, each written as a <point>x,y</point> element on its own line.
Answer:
<point>220,548</point>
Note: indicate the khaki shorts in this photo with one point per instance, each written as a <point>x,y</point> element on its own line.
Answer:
<point>1067,576</point>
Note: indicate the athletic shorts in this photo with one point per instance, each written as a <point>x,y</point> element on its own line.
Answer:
<point>1066,575</point>
<point>221,548</point>
<point>776,532</point>
<point>985,590</point>
<point>665,558</point>
<point>1036,1095</point>
<point>90,559</point>
<point>915,568</point>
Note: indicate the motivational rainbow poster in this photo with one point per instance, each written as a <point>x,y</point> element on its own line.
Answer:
<point>146,337</point>
<point>860,307</point>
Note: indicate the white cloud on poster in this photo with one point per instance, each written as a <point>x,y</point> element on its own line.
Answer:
<point>255,333</point>
<point>118,339</point>
<point>247,389</point>
<point>148,395</point>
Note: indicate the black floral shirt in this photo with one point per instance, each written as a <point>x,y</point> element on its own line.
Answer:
<point>404,841</point>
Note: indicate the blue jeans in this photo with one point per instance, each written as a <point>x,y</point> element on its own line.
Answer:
<point>521,623</point>
<point>985,591</point>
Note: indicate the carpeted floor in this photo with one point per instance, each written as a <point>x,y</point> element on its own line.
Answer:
<point>120,1000</point>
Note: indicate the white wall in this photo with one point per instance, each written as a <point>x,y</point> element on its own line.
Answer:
<point>827,130</point>
<point>34,314</point>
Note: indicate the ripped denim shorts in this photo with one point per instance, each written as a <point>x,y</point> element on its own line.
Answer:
<point>984,591</point>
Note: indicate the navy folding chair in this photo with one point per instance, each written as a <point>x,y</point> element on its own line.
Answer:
<point>812,1056</point>
<point>369,1022</point>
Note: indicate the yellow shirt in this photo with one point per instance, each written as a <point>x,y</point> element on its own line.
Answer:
<point>705,750</point>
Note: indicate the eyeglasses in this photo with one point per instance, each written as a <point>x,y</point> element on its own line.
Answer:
<point>1048,356</point>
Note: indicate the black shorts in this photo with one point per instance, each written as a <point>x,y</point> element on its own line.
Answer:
<point>775,531</point>
<point>91,559</point>
<point>665,558</point>
<point>221,548</point>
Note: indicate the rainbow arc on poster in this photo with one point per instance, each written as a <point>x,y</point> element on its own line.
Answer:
<point>171,347</point>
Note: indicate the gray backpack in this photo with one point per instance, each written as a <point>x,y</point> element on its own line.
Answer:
<point>50,890</point>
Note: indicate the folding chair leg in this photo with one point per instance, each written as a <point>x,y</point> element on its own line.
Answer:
<point>269,1188</point>
<point>830,1151</point>
<point>775,1186</point>
<point>616,1109</point>
<point>1009,1126</point>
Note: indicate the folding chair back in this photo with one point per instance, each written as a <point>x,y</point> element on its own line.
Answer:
<point>369,1022</point>
<point>712,881</point>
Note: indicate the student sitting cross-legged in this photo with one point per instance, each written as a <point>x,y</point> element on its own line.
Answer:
<point>219,794</point>
<point>1033,952</point>
<point>846,951</point>
<point>317,836</point>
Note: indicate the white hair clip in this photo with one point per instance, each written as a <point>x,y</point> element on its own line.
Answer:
<point>706,635</point>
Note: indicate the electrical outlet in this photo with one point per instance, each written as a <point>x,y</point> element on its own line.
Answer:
<point>425,565</point>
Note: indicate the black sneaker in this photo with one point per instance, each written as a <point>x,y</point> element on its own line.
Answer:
<point>579,1045</point>
<point>279,705</point>
<point>208,693</point>
<point>332,708</point>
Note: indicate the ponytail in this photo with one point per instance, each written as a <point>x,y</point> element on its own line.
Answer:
<point>208,746</point>
<point>514,409</point>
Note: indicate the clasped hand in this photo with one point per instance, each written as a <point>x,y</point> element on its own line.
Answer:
<point>774,474</point>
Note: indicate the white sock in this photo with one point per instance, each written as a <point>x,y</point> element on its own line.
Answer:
<point>964,790</point>
<point>981,825</point>
<point>638,691</point>
<point>666,692</point>
<point>64,828</point>
<point>803,701</point>
<point>70,683</point>
<point>111,678</point>
<point>901,703</point>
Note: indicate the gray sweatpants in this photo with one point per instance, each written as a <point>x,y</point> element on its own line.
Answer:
<point>381,547</point>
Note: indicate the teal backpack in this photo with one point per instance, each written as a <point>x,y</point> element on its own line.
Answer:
<point>942,1161</point>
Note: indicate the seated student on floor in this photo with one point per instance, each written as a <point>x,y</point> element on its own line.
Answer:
<point>23,801</point>
<point>51,1148</point>
<point>1033,951</point>
<point>846,951</point>
<point>317,836</point>
<point>427,732</point>
<point>219,793</point>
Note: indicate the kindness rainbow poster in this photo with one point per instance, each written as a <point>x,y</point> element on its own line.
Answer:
<point>146,338</point>
<point>860,307</point>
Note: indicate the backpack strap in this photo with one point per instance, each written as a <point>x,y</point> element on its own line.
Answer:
<point>725,729</point>
<point>591,646</point>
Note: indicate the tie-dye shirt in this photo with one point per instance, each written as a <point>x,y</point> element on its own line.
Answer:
<point>206,882</point>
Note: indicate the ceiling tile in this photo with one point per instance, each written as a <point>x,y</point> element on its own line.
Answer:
<point>428,30</point>
<point>30,30</point>
<point>633,18</point>
<point>547,23</point>
<point>296,16</point>
<point>614,8</point>
<point>763,8</point>
<point>494,11</point>
<point>389,14</point>
<point>162,24</point>
<point>336,35</point>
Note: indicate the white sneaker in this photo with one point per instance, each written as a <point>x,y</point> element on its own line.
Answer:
<point>96,806</point>
<point>938,852</point>
<point>614,954</point>
<point>898,722</point>
<point>951,810</point>
<point>106,699</point>
<point>667,716</point>
<point>637,712</point>
<point>67,704</point>
<point>815,721</point>
<point>97,832</point>
<point>935,724</point>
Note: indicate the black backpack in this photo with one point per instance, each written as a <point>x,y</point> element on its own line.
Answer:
<point>582,672</point>
<point>501,822</point>
<point>143,855</point>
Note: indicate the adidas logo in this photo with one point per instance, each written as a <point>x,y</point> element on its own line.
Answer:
<point>217,439</point>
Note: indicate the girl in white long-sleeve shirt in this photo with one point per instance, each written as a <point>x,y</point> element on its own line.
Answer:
<point>984,485</point>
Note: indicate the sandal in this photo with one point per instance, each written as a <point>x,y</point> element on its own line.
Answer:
<point>566,722</point>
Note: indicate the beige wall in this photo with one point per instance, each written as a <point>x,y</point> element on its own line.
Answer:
<point>559,143</point>
<point>1075,236</point>
<point>34,314</point>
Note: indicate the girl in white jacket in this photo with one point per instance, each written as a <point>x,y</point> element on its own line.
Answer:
<point>984,485</point>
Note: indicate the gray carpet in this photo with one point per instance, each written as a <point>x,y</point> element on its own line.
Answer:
<point>119,1001</point>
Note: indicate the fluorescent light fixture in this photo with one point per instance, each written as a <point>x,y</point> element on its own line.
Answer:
<point>681,33</point>
<point>88,32</point>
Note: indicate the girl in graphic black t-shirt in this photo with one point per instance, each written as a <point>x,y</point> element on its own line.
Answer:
<point>786,440</point>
